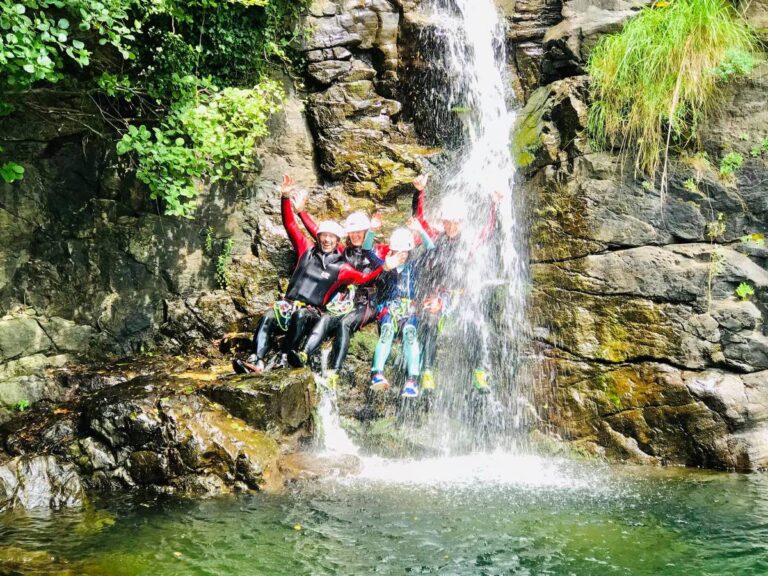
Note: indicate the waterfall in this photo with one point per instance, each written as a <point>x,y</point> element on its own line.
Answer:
<point>488,329</point>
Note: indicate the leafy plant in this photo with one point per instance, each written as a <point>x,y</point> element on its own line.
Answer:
<point>208,246</point>
<point>690,185</point>
<point>754,239</point>
<point>759,149</point>
<point>160,63</point>
<point>223,262</point>
<point>744,291</point>
<point>22,405</point>
<point>10,172</point>
<point>730,163</point>
<point>208,138</point>
<point>39,35</point>
<point>654,82</point>
<point>716,228</point>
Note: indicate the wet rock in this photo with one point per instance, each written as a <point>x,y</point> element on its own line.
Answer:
<point>568,44</point>
<point>282,400</point>
<point>22,336</point>
<point>627,277</point>
<point>39,482</point>
<point>308,466</point>
<point>327,71</point>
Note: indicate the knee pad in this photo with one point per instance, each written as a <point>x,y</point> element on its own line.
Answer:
<point>387,332</point>
<point>409,334</point>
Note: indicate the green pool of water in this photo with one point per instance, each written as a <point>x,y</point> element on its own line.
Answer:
<point>580,519</point>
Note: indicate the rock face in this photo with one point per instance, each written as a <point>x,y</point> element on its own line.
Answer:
<point>635,302</point>
<point>353,66</point>
<point>170,434</point>
<point>89,268</point>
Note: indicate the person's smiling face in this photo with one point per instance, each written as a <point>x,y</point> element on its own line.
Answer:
<point>327,241</point>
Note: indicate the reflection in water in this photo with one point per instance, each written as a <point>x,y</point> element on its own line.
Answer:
<point>580,519</point>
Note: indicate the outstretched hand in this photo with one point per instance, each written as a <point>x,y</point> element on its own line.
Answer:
<point>299,198</point>
<point>287,187</point>
<point>395,260</point>
<point>415,226</point>
<point>420,182</point>
<point>376,221</point>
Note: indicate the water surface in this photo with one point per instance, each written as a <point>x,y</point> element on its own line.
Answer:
<point>455,516</point>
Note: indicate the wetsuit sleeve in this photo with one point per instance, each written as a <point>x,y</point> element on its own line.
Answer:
<point>368,242</point>
<point>374,258</point>
<point>489,227</point>
<point>309,223</point>
<point>382,250</point>
<point>300,243</point>
<point>417,210</point>
<point>426,240</point>
<point>348,275</point>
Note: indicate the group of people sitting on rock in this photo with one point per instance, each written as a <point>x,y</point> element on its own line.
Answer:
<point>409,286</point>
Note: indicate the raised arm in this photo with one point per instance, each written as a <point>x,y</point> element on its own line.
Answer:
<point>417,204</point>
<point>348,275</point>
<point>490,225</point>
<point>309,223</point>
<point>300,243</point>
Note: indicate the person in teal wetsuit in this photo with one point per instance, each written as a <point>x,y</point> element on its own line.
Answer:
<point>397,310</point>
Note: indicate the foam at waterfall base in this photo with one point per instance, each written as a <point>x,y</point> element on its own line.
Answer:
<point>498,469</point>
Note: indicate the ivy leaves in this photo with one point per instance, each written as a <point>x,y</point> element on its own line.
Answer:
<point>211,137</point>
<point>37,35</point>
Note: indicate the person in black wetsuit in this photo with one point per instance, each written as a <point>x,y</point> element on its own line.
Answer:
<point>442,270</point>
<point>350,309</point>
<point>320,272</point>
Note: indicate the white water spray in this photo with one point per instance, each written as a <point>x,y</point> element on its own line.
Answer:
<point>489,328</point>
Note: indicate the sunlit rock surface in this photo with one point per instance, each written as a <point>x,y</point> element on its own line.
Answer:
<point>175,432</point>
<point>649,354</point>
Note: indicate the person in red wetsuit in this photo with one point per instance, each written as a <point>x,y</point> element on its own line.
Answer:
<point>321,270</point>
<point>351,308</point>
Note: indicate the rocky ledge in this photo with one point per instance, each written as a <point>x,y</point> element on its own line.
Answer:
<point>166,432</point>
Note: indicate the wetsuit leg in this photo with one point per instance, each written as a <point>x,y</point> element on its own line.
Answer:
<point>428,328</point>
<point>300,323</point>
<point>324,327</point>
<point>384,345</point>
<point>347,326</point>
<point>262,338</point>
<point>411,350</point>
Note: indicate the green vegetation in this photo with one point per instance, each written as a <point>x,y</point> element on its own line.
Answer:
<point>22,405</point>
<point>208,245</point>
<point>730,163</point>
<point>222,263</point>
<point>654,82</point>
<point>756,239</point>
<point>690,185</point>
<point>759,149</point>
<point>185,83</point>
<point>745,291</point>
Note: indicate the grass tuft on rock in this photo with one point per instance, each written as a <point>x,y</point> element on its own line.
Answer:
<point>653,82</point>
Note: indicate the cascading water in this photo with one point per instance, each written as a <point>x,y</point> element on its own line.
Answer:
<point>487,328</point>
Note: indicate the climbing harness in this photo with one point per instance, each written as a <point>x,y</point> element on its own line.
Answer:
<point>283,310</point>
<point>342,303</point>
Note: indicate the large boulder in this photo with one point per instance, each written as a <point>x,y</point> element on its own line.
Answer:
<point>170,434</point>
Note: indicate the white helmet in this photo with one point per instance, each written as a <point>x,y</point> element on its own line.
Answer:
<point>330,227</point>
<point>357,222</point>
<point>454,209</point>
<point>401,240</point>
